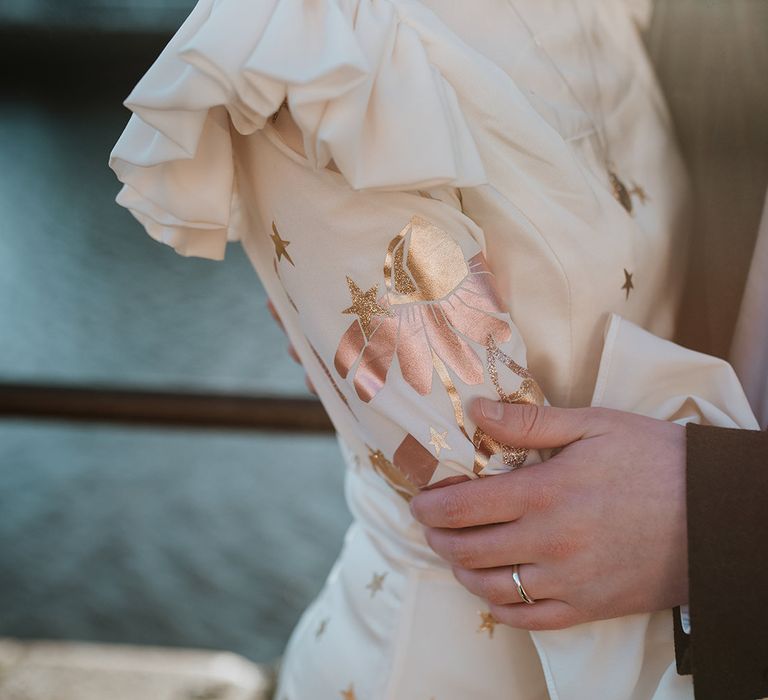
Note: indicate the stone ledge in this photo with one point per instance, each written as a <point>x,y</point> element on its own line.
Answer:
<point>43,670</point>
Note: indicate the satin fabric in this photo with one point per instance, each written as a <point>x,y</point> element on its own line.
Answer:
<point>444,146</point>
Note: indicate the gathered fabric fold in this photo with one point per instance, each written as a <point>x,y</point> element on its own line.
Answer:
<point>358,83</point>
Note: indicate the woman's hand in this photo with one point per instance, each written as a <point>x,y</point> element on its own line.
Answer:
<point>291,350</point>
<point>599,530</point>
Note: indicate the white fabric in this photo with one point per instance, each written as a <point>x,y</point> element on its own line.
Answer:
<point>447,122</point>
<point>685,619</point>
<point>749,352</point>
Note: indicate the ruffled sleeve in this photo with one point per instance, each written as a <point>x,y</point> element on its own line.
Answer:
<point>357,81</point>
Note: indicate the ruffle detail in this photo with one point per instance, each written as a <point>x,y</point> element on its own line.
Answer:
<point>358,83</point>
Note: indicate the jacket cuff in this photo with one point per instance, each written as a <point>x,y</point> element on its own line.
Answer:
<point>727,513</point>
<point>682,645</point>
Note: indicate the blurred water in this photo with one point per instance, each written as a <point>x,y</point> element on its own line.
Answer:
<point>150,15</point>
<point>141,535</point>
<point>86,295</point>
<point>164,537</point>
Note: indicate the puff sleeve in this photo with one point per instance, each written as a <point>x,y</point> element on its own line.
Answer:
<point>394,305</point>
<point>361,89</point>
<point>378,274</point>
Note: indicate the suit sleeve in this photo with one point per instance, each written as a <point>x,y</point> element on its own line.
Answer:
<point>727,501</point>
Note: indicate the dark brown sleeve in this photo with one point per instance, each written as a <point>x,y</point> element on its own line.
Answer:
<point>728,564</point>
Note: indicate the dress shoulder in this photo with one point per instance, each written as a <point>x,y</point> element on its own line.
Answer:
<point>357,80</point>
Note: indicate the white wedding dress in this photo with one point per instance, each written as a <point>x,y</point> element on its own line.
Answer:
<point>449,230</point>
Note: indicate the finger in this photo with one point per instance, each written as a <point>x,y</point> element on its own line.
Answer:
<point>537,427</point>
<point>488,546</point>
<point>274,314</point>
<point>542,615</point>
<point>294,355</point>
<point>497,585</point>
<point>498,499</point>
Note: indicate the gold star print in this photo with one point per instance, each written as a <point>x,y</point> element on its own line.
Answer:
<point>321,628</point>
<point>628,285</point>
<point>349,693</point>
<point>280,245</point>
<point>438,440</point>
<point>377,583</point>
<point>364,305</point>
<point>487,624</point>
<point>639,192</point>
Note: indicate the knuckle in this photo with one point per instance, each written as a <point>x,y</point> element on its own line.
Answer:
<point>494,593</point>
<point>454,508</point>
<point>538,495</point>
<point>528,420</point>
<point>459,553</point>
<point>558,544</point>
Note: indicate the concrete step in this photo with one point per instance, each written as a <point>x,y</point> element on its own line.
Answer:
<point>53,670</point>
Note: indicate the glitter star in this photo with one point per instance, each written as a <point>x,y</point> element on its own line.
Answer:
<point>639,192</point>
<point>628,285</point>
<point>321,628</point>
<point>487,624</point>
<point>349,693</point>
<point>364,305</point>
<point>377,583</point>
<point>280,245</point>
<point>438,440</point>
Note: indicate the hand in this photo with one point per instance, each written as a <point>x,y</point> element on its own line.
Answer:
<point>599,530</point>
<point>291,350</point>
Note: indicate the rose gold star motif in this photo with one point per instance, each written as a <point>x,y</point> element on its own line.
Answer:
<point>364,305</point>
<point>280,245</point>
<point>377,583</point>
<point>628,285</point>
<point>488,623</point>
<point>349,693</point>
<point>438,440</point>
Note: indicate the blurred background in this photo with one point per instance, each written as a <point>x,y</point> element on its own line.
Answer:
<point>165,477</point>
<point>212,537</point>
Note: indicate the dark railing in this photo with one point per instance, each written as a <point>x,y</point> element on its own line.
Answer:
<point>161,408</point>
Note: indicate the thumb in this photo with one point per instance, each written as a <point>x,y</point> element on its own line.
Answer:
<point>536,427</point>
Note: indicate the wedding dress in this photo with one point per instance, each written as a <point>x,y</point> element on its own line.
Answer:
<point>488,202</point>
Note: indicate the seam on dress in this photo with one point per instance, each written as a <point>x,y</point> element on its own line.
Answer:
<point>565,279</point>
<point>549,677</point>
<point>606,359</point>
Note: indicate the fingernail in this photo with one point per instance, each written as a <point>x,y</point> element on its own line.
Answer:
<point>492,410</point>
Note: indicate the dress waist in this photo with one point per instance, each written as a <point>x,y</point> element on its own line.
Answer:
<point>384,515</point>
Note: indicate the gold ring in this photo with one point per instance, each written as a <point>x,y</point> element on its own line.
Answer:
<point>516,578</point>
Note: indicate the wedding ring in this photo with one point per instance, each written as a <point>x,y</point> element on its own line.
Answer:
<point>516,578</point>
